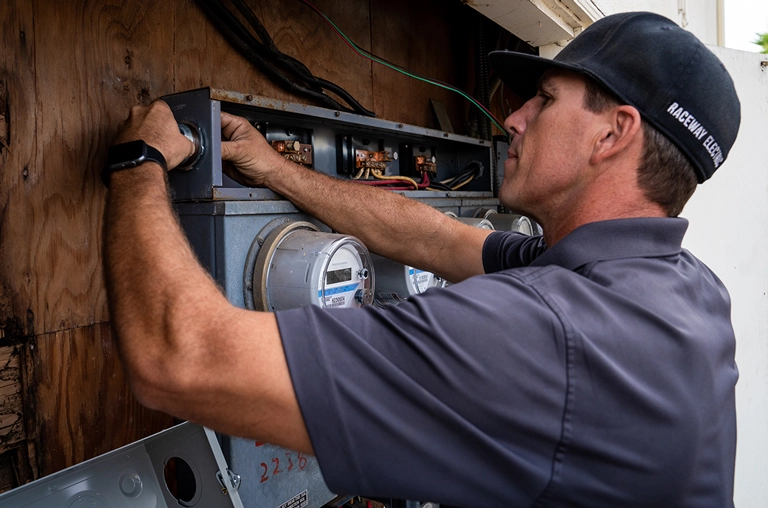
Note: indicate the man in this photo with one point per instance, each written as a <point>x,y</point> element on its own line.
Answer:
<point>593,367</point>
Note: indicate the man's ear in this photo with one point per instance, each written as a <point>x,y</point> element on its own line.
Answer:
<point>622,131</point>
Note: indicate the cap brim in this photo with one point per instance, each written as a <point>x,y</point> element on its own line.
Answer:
<point>521,72</point>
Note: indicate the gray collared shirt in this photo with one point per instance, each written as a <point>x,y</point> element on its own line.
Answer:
<point>599,372</point>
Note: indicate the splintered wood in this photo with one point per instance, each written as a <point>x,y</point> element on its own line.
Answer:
<point>11,406</point>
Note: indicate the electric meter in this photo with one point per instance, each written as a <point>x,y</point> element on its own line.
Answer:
<point>297,265</point>
<point>395,282</point>
<point>510,222</point>
<point>472,221</point>
<point>476,222</point>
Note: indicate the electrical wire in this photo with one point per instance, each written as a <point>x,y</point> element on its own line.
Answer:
<point>367,54</point>
<point>462,184</point>
<point>398,178</point>
<point>377,182</point>
<point>472,170</point>
<point>266,56</point>
<point>387,181</point>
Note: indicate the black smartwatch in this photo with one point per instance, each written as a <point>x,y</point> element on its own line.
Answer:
<point>129,155</point>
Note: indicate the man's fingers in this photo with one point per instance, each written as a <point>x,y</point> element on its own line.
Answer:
<point>233,126</point>
<point>232,151</point>
<point>226,150</point>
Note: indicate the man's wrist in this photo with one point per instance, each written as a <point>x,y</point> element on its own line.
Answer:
<point>281,168</point>
<point>130,155</point>
<point>150,171</point>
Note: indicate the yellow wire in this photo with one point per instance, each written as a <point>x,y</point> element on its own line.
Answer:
<point>402,178</point>
<point>463,183</point>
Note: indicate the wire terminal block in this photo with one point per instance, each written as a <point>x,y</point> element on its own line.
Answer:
<point>294,151</point>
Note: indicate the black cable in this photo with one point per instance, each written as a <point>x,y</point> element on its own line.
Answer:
<point>473,169</point>
<point>244,42</point>
<point>295,64</point>
<point>269,45</point>
<point>268,48</point>
<point>439,186</point>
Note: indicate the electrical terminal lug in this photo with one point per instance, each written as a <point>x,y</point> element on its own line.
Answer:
<point>425,164</point>
<point>294,151</point>
<point>365,159</point>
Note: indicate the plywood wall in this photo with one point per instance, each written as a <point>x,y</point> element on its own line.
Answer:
<point>69,72</point>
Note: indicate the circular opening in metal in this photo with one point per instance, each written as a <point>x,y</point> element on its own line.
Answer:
<point>180,479</point>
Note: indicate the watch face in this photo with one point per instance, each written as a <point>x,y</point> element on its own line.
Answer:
<point>126,153</point>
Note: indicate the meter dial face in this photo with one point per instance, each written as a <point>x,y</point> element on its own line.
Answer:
<point>297,265</point>
<point>421,280</point>
<point>346,280</point>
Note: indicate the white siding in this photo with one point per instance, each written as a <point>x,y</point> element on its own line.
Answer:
<point>729,232</point>
<point>701,15</point>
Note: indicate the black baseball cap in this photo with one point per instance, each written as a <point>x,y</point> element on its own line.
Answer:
<point>678,85</point>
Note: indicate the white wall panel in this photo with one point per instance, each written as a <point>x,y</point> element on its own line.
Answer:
<point>729,232</point>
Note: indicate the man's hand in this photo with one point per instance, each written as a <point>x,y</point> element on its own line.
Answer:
<point>251,159</point>
<point>156,125</point>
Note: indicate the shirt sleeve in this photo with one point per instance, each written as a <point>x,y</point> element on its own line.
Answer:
<point>451,397</point>
<point>504,250</point>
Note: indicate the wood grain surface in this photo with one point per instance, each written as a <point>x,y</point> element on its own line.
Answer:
<point>18,157</point>
<point>84,405</point>
<point>430,38</point>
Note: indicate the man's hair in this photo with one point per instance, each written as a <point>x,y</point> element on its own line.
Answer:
<point>665,175</point>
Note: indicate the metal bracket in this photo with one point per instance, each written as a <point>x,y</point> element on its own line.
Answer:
<point>234,479</point>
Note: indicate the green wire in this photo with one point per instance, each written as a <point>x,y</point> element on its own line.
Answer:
<point>414,76</point>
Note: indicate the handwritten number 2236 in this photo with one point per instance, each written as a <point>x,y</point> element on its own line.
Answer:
<point>302,464</point>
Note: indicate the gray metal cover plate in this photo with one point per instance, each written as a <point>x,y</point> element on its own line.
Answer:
<point>134,476</point>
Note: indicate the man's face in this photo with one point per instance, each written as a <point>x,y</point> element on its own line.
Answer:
<point>552,139</point>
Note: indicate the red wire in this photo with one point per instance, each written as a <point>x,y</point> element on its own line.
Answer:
<point>379,182</point>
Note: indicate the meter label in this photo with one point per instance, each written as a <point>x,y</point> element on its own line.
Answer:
<point>338,296</point>
<point>299,501</point>
<point>389,298</point>
<point>420,279</point>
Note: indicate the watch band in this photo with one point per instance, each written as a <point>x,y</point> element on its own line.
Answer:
<point>130,155</point>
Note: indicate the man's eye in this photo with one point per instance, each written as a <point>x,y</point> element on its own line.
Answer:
<point>544,97</point>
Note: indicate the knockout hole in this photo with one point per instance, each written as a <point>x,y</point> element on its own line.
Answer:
<point>180,479</point>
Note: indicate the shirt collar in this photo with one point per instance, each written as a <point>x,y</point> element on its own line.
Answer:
<point>616,239</point>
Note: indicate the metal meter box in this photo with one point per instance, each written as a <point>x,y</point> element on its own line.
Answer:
<point>266,254</point>
<point>181,466</point>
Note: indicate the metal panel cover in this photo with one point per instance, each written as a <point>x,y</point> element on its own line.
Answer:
<point>134,475</point>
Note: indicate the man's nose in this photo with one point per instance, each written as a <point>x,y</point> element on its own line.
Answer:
<point>517,122</point>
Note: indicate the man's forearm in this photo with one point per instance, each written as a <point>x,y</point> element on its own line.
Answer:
<point>388,223</point>
<point>148,263</point>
